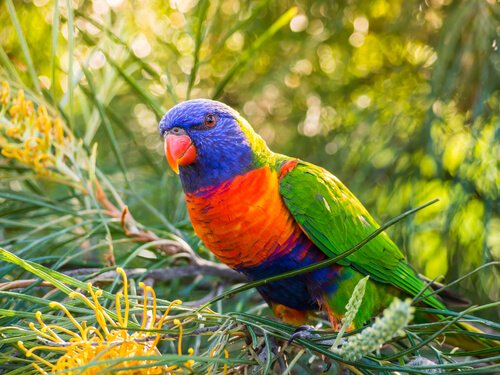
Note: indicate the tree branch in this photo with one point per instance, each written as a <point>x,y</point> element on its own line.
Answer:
<point>206,268</point>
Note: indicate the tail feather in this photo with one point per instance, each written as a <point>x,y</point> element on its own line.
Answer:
<point>449,297</point>
<point>466,337</point>
<point>474,345</point>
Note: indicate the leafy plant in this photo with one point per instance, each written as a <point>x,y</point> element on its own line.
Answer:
<point>399,101</point>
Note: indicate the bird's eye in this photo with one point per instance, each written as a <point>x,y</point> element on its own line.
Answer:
<point>210,120</point>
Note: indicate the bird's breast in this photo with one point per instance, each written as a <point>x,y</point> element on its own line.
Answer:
<point>244,221</point>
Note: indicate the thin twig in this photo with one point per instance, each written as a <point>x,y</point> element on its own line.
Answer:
<point>132,229</point>
<point>17,284</point>
<point>206,268</point>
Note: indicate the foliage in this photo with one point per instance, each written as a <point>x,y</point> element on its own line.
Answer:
<point>399,99</point>
<point>108,339</point>
<point>396,317</point>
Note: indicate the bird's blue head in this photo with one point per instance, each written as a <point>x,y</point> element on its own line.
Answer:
<point>206,142</point>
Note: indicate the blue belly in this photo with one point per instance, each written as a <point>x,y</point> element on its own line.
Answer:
<point>300,292</point>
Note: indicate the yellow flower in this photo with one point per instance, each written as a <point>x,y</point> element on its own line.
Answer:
<point>108,339</point>
<point>58,131</point>
<point>4,93</point>
<point>34,138</point>
<point>43,162</point>
<point>14,132</point>
<point>13,152</point>
<point>21,107</point>
<point>43,123</point>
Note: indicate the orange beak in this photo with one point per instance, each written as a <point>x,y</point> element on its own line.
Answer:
<point>179,150</point>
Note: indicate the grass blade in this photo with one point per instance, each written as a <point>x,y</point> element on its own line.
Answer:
<point>24,45</point>
<point>92,94</point>
<point>202,13</point>
<point>250,52</point>
<point>36,201</point>
<point>53,51</point>
<point>71,50</point>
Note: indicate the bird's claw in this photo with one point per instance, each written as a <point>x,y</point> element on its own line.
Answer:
<point>303,332</point>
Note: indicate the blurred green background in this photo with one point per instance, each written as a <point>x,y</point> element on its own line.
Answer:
<point>399,99</point>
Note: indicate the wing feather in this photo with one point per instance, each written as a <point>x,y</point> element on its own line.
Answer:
<point>335,220</point>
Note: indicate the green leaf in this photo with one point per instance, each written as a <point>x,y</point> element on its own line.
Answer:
<point>24,45</point>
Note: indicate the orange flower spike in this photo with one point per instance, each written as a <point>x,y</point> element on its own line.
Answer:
<point>162,320</point>
<point>189,363</point>
<point>46,135</point>
<point>212,352</point>
<point>165,314</point>
<point>42,162</point>
<point>226,355</point>
<point>105,315</point>
<point>16,107</point>
<point>43,123</point>
<point>147,289</point>
<point>42,118</point>
<point>83,298</point>
<point>65,330</point>
<point>28,108</point>
<point>22,156</point>
<point>177,322</point>
<point>5,93</point>
<point>28,354</point>
<point>9,151</point>
<point>153,318</point>
<point>99,342</point>
<point>14,132</point>
<point>69,315</point>
<point>45,327</point>
<point>118,297</point>
<point>125,295</point>
<point>31,148</point>
<point>58,131</point>
<point>21,108</point>
<point>144,304</point>
<point>40,332</point>
<point>99,312</point>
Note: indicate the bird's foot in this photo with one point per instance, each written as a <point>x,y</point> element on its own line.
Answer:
<point>306,332</point>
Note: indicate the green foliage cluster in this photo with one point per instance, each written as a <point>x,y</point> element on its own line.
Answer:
<point>399,99</point>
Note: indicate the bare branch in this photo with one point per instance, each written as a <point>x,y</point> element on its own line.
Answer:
<point>206,268</point>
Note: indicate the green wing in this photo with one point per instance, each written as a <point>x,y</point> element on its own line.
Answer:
<point>335,220</point>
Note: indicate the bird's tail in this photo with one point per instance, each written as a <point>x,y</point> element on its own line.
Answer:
<point>471,340</point>
<point>465,336</point>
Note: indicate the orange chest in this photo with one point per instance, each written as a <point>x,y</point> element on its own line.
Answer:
<point>244,221</point>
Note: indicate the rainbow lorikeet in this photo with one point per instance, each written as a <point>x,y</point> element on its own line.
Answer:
<point>263,214</point>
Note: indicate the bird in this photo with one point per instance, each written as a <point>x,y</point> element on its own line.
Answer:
<point>263,213</point>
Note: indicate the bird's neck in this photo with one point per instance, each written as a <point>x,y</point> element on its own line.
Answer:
<point>205,175</point>
<point>219,166</point>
